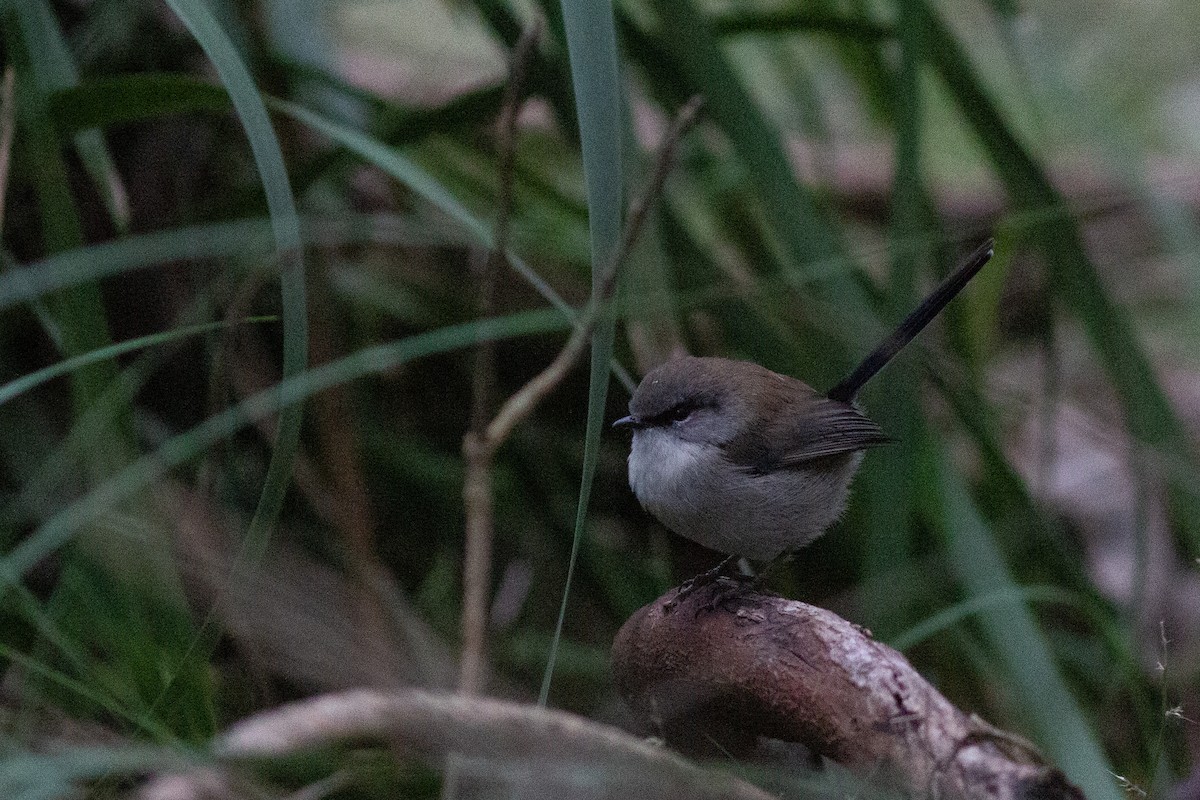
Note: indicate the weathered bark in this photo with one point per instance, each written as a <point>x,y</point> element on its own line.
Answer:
<point>725,668</point>
<point>493,747</point>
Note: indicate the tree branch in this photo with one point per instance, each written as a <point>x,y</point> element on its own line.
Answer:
<point>723,669</point>
<point>501,748</point>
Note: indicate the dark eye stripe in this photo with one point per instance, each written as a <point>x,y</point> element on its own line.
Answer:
<point>676,413</point>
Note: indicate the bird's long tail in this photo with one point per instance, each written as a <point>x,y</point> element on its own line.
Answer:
<point>930,307</point>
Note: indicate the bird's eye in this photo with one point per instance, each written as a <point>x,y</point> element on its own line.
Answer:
<point>679,413</point>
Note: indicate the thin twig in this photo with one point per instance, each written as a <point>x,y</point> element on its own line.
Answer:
<point>477,483</point>
<point>351,514</point>
<point>7,125</point>
<point>521,404</point>
<point>484,376</point>
<point>480,444</point>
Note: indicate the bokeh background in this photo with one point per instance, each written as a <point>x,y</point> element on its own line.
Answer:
<point>178,555</point>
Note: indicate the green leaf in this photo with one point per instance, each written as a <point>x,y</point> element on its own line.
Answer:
<point>999,599</point>
<point>1073,279</point>
<point>592,46</point>
<point>55,69</point>
<point>185,446</point>
<point>814,254</point>
<point>285,224</point>
<point>23,384</point>
<point>1056,721</point>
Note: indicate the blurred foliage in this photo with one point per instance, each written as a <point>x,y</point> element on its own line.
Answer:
<point>178,553</point>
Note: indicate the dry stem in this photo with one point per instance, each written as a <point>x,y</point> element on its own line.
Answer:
<point>480,444</point>
<point>7,125</point>
<point>521,404</point>
<point>477,484</point>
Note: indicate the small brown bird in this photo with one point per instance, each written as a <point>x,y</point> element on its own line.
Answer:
<point>752,463</point>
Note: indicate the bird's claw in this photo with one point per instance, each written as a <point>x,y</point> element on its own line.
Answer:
<point>707,578</point>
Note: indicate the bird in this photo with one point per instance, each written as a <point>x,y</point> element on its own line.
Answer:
<point>752,463</point>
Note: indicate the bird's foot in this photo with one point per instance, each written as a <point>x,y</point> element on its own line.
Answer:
<point>707,578</point>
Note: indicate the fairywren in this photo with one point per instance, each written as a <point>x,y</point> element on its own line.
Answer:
<point>749,462</point>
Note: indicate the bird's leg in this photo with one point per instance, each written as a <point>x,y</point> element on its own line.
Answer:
<point>773,564</point>
<point>703,579</point>
<point>730,586</point>
<point>708,576</point>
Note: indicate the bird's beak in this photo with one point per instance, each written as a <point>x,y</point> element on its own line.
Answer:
<point>628,422</point>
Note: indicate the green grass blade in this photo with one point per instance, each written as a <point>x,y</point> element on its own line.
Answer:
<point>245,238</point>
<point>180,449</point>
<point>400,126</point>
<point>104,689</point>
<point>743,20</point>
<point>1072,277</point>
<point>23,384</point>
<point>87,264</point>
<point>816,258</point>
<point>126,99</point>
<point>889,479</point>
<point>417,179</point>
<point>999,599</point>
<point>1055,718</point>
<point>55,69</point>
<point>285,223</point>
<point>592,47</point>
<point>78,316</point>
<point>34,666</point>
<point>137,97</point>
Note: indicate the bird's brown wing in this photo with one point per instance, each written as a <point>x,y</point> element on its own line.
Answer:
<point>821,429</point>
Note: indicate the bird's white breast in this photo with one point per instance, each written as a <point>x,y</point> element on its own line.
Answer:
<point>693,490</point>
<point>662,466</point>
